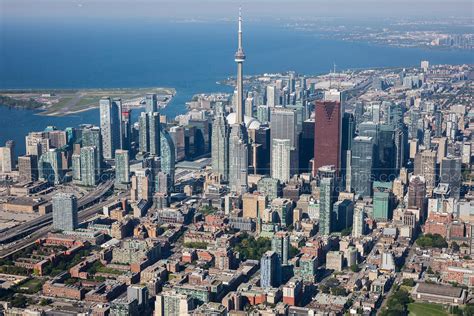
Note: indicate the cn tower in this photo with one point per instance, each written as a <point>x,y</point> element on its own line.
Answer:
<point>239,59</point>
<point>238,140</point>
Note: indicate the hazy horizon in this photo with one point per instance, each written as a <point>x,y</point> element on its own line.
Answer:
<point>65,10</point>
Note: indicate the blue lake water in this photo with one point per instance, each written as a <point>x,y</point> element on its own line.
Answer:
<point>190,57</point>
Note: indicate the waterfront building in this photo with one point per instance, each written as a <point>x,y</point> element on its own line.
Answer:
<point>7,157</point>
<point>37,143</point>
<point>149,133</point>
<point>50,167</point>
<point>110,112</point>
<point>91,137</point>
<point>151,103</point>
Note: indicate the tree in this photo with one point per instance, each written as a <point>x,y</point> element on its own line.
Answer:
<point>251,248</point>
<point>338,291</point>
<point>408,282</point>
<point>45,301</point>
<point>431,241</point>
<point>293,251</point>
<point>19,301</point>
<point>324,288</point>
<point>355,268</point>
<point>397,303</point>
<point>455,246</point>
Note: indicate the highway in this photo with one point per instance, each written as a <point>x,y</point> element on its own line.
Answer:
<point>83,216</point>
<point>37,225</point>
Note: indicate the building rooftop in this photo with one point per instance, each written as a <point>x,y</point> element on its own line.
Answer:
<point>438,289</point>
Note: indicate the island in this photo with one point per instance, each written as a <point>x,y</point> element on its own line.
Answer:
<point>60,102</point>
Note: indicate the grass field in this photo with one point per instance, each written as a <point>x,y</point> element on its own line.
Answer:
<point>426,309</point>
<point>31,286</point>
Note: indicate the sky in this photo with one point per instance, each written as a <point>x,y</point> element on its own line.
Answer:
<point>226,9</point>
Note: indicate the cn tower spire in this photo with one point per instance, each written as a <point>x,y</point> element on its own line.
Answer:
<point>239,59</point>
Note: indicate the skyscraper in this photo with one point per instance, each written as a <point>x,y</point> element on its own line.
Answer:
<point>91,137</point>
<point>358,223</point>
<point>385,161</point>
<point>272,98</point>
<point>151,104</point>
<point>270,270</point>
<point>417,193</point>
<point>383,200</point>
<point>327,135</point>
<point>168,158</point>
<point>362,165</point>
<point>283,123</point>
<point>281,245</point>
<point>126,121</point>
<point>238,142</point>
<point>141,185</point>
<point>149,133</point>
<point>281,160</point>
<point>28,168</point>
<point>64,212</point>
<point>327,199</point>
<point>122,169</point>
<point>451,174</point>
<point>7,160</point>
<point>110,112</point>
<point>50,167</point>
<point>37,143</point>
<point>89,175</point>
<point>220,143</point>
<point>425,165</point>
<point>347,135</point>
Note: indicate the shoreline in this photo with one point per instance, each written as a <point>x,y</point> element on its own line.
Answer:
<point>64,102</point>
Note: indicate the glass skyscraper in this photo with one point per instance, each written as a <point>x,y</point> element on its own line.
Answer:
<point>65,212</point>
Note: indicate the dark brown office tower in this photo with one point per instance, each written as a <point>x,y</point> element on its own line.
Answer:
<point>327,134</point>
<point>28,168</point>
<point>417,194</point>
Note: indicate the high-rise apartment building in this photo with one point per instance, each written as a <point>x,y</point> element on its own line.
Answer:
<point>270,270</point>
<point>110,125</point>
<point>65,212</point>
<point>122,169</point>
<point>281,160</point>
